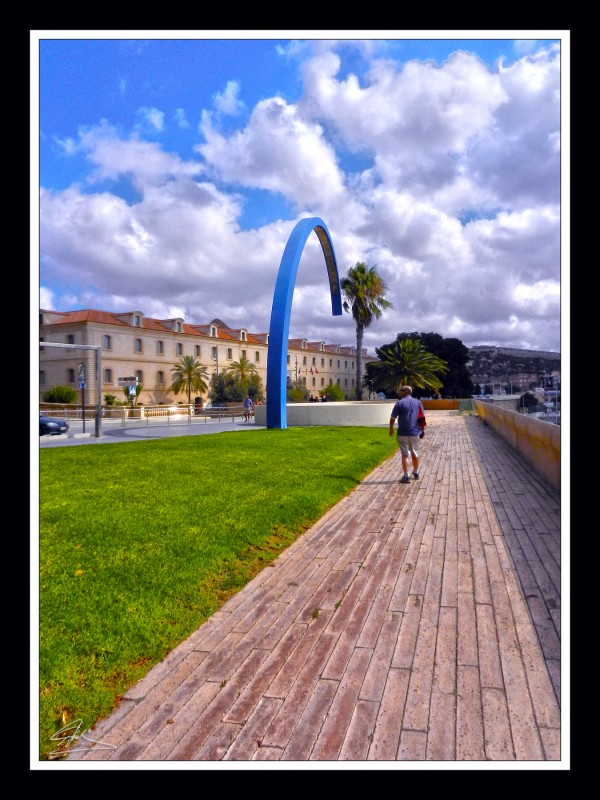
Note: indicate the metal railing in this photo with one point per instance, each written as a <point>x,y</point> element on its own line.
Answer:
<point>145,415</point>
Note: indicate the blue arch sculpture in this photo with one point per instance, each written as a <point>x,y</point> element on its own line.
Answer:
<point>281,310</point>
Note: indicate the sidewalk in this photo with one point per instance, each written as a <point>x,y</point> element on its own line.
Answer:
<point>415,623</point>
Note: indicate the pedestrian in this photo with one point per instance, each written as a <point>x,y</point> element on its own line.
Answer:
<point>247,408</point>
<point>411,423</point>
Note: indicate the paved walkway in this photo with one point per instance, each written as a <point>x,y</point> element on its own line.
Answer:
<point>414,622</point>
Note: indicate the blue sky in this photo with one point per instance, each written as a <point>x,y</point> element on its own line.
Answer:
<point>172,170</point>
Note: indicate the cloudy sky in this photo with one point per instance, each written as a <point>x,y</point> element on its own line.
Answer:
<point>172,170</point>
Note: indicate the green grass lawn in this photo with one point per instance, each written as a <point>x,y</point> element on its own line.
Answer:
<point>140,542</point>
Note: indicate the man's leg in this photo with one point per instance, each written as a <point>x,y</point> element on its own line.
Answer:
<point>404,450</point>
<point>414,455</point>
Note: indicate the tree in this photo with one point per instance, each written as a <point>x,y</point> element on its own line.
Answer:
<point>529,400</point>
<point>130,398</point>
<point>453,352</point>
<point>189,374</point>
<point>333,392</point>
<point>243,370</point>
<point>363,291</point>
<point>405,361</point>
<point>226,387</point>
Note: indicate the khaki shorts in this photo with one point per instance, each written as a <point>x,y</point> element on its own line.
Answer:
<point>408,444</point>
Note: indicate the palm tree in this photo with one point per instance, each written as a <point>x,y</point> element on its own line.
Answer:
<point>242,370</point>
<point>189,374</point>
<point>405,361</point>
<point>364,294</point>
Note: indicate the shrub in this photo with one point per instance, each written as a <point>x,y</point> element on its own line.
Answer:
<point>296,394</point>
<point>61,394</point>
<point>334,393</point>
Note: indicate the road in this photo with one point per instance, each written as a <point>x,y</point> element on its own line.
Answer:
<point>113,431</point>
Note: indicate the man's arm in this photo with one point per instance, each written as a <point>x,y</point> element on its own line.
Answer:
<point>391,431</point>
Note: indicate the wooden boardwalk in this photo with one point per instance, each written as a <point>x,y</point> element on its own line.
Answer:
<point>415,622</point>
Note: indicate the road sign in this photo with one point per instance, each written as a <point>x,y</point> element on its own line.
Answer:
<point>130,381</point>
<point>82,385</point>
<point>132,391</point>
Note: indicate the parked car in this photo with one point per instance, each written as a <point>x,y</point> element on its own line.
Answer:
<point>52,425</point>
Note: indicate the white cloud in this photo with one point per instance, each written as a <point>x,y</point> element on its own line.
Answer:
<point>395,160</point>
<point>152,117</point>
<point>228,102</point>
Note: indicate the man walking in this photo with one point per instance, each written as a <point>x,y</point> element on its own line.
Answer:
<point>408,410</point>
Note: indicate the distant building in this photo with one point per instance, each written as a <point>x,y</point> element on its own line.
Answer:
<point>133,344</point>
<point>501,367</point>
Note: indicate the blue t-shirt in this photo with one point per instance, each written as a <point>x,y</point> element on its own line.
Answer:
<point>406,411</point>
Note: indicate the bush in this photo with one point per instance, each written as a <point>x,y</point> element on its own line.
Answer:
<point>295,394</point>
<point>334,393</point>
<point>61,394</point>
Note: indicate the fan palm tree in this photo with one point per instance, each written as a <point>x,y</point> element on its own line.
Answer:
<point>242,370</point>
<point>189,374</point>
<point>405,361</point>
<point>363,293</point>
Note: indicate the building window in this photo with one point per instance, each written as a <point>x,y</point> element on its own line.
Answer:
<point>137,320</point>
<point>197,351</point>
<point>160,348</point>
<point>314,381</point>
<point>345,365</point>
<point>108,376</point>
<point>338,366</point>
<point>257,356</point>
<point>213,331</point>
<point>179,329</point>
<point>106,343</point>
<point>314,362</point>
<point>42,377</point>
<point>140,376</point>
<point>179,349</point>
<point>303,361</point>
<point>322,362</point>
<point>245,354</point>
<point>243,336</point>
<point>304,381</point>
<point>337,380</point>
<point>288,358</point>
<point>229,353</point>
<point>322,381</point>
<point>70,376</point>
<point>137,345</point>
<point>352,365</point>
<point>345,381</point>
<point>160,377</point>
<point>331,362</point>
<point>70,339</point>
<point>352,384</point>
